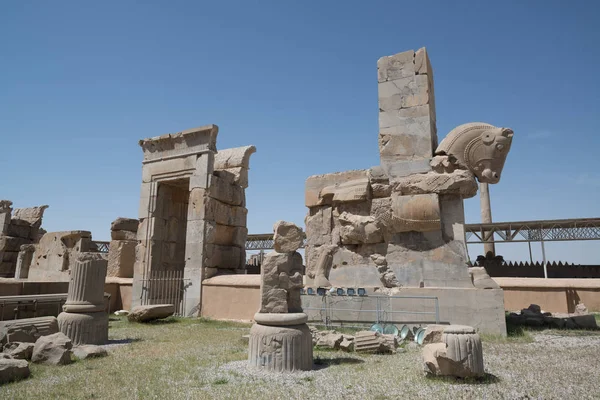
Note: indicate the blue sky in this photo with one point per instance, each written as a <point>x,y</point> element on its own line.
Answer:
<point>82,82</point>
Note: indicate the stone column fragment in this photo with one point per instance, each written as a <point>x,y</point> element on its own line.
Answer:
<point>24,260</point>
<point>84,319</point>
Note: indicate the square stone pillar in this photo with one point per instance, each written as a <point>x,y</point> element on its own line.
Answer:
<point>407,131</point>
<point>195,245</point>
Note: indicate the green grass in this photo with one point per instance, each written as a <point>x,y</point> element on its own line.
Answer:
<point>190,359</point>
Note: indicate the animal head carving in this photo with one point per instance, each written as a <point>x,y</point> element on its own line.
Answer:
<point>481,148</point>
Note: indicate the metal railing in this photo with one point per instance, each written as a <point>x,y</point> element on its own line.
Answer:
<point>385,310</point>
<point>102,247</point>
<point>165,287</point>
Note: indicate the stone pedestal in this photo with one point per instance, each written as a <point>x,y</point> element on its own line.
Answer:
<point>84,319</point>
<point>280,342</point>
<point>458,354</point>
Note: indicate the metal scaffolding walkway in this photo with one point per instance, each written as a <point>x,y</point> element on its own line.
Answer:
<point>498,232</point>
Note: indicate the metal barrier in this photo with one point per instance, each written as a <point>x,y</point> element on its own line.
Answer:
<point>165,287</point>
<point>102,247</point>
<point>384,311</point>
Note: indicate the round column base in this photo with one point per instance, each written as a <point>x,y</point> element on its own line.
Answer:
<point>281,348</point>
<point>84,328</point>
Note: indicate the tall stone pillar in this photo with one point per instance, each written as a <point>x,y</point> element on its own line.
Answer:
<point>24,260</point>
<point>407,130</point>
<point>195,246</point>
<point>486,215</point>
<point>84,319</point>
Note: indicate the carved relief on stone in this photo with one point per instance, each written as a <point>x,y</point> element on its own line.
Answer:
<point>459,182</point>
<point>357,229</point>
<point>356,190</point>
<point>319,270</point>
<point>482,148</point>
<point>419,213</point>
<point>281,275</point>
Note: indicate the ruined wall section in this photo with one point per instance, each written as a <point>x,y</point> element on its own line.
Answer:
<point>121,250</point>
<point>400,223</point>
<point>225,213</point>
<point>19,228</point>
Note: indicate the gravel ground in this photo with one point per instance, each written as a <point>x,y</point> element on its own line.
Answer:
<point>553,366</point>
<point>195,359</point>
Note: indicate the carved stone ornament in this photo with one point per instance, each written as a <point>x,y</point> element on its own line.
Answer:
<point>482,148</point>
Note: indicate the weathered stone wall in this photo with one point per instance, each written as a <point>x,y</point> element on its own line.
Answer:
<point>18,227</point>
<point>56,252</point>
<point>401,224</point>
<point>226,212</point>
<point>121,251</point>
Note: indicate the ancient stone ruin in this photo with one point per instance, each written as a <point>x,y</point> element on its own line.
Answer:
<point>192,215</point>
<point>84,319</point>
<point>453,350</point>
<point>401,224</point>
<point>19,229</point>
<point>280,340</point>
<point>121,250</point>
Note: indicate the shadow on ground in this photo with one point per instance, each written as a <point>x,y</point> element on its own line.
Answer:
<point>487,379</point>
<point>321,363</point>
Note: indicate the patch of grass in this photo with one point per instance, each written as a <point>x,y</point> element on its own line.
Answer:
<point>221,381</point>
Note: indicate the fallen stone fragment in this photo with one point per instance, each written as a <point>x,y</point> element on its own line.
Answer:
<point>151,312</point>
<point>13,370</point>
<point>121,312</point>
<point>27,329</point>
<point>459,354</point>
<point>89,351</point>
<point>287,237</point>
<point>53,349</point>
<point>346,344</point>
<point>331,340</point>
<point>19,351</point>
<point>374,342</point>
<point>433,334</point>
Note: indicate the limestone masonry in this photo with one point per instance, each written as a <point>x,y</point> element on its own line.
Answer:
<point>401,224</point>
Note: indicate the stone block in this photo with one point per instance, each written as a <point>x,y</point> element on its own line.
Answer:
<point>315,184</point>
<point>53,349</point>
<point>396,66</point>
<point>121,258</point>
<point>19,351</point>
<point>318,226</point>
<point>459,354</point>
<point>419,213</point>
<point>237,176</point>
<point>225,214</point>
<point>151,312</point>
<point>234,157</point>
<point>397,167</point>
<point>225,235</point>
<point>125,224</point>
<point>287,237</point>
<point>89,351</point>
<point>13,370</point>
<point>84,328</point>
<point>32,327</point>
<point>21,231</point>
<point>217,256</point>
<point>11,243</point>
<point>123,235</point>
<point>422,63</point>
<point>225,191</point>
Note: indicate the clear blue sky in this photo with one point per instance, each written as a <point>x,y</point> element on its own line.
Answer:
<point>82,82</point>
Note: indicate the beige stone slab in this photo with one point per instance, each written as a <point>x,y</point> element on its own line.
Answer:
<point>225,235</point>
<point>195,140</point>
<point>121,258</point>
<point>234,157</point>
<point>314,184</point>
<point>419,213</point>
<point>396,66</point>
<point>225,191</point>
<point>225,257</point>
<point>236,175</point>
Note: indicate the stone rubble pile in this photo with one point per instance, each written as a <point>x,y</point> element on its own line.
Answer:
<point>37,340</point>
<point>534,316</point>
